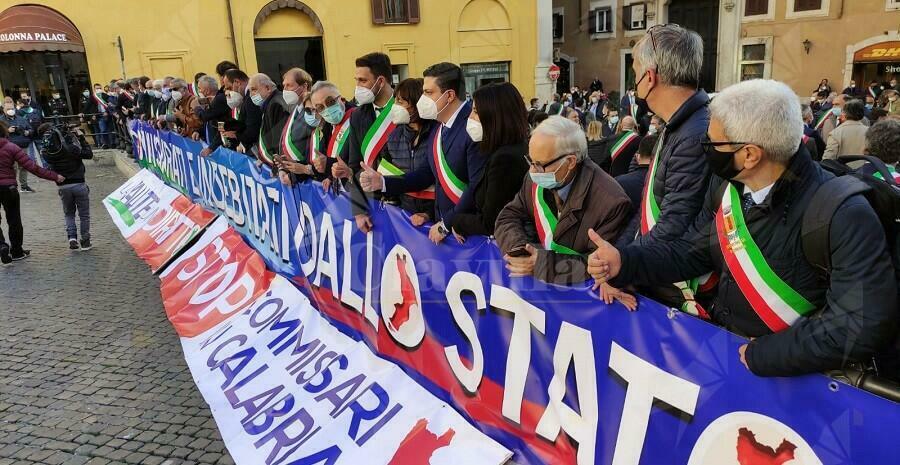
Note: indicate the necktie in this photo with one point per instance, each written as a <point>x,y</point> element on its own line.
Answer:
<point>747,201</point>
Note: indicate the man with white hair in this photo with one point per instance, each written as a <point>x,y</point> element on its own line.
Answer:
<point>276,112</point>
<point>212,108</point>
<point>667,62</point>
<point>749,231</point>
<point>543,231</point>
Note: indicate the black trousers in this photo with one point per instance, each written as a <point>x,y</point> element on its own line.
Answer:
<point>9,200</point>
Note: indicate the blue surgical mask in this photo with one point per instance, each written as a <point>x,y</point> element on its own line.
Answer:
<point>836,111</point>
<point>614,120</point>
<point>333,114</point>
<point>869,106</point>
<point>547,180</point>
<point>257,99</point>
<point>311,119</point>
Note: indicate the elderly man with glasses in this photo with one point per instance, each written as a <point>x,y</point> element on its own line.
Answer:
<point>543,232</point>
<point>798,319</point>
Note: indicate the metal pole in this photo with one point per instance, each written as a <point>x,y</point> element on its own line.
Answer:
<point>231,28</point>
<point>121,55</point>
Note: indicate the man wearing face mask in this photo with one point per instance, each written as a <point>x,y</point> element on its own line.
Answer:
<point>142,98</point>
<point>242,131</point>
<point>212,108</point>
<point>334,113</point>
<point>850,137</point>
<point>183,119</point>
<point>543,231</point>
<point>300,143</point>
<point>610,119</point>
<point>852,91</point>
<point>667,61</point>
<point>58,106</point>
<point>892,106</point>
<point>295,84</point>
<point>275,115</point>
<point>32,112</point>
<point>827,119</point>
<point>749,232</point>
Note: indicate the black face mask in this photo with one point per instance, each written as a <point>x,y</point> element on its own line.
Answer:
<point>722,163</point>
<point>641,102</point>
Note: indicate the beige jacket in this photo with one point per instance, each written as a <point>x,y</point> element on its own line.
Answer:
<point>847,139</point>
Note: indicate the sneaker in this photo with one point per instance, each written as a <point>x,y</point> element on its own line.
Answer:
<point>27,190</point>
<point>5,259</point>
<point>73,244</point>
<point>86,244</point>
<point>22,256</point>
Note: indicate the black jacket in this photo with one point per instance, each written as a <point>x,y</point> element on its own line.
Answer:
<point>504,172</point>
<point>248,123</point>
<point>64,155</point>
<point>682,176</point>
<point>632,183</point>
<point>275,114</point>
<point>857,314</point>
<point>360,122</point>
<point>217,110</point>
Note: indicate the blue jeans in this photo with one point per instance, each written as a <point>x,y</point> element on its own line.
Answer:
<point>103,123</point>
<point>76,199</point>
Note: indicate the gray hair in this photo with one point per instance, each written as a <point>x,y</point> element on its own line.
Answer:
<point>158,83</point>
<point>568,134</point>
<point>761,112</point>
<point>319,85</point>
<point>883,140</point>
<point>674,52</point>
<point>806,111</point>
<point>179,83</point>
<point>208,82</point>
<point>263,80</point>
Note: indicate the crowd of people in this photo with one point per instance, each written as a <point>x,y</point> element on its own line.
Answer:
<point>695,201</point>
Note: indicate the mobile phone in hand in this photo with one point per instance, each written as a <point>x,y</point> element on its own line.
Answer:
<point>518,251</point>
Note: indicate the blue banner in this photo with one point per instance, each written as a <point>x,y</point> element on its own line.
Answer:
<point>550,372</point>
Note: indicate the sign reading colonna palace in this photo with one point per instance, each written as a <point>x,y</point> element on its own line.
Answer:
<point>799,42</point>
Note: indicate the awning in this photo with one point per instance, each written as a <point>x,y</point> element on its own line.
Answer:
<point>877,53</point>
<point>32,28</point>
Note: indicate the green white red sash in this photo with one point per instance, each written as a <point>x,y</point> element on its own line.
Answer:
<point>545,222</point>
<point>192,88</point>
<point>872,93</point>
<point>339,135</point>
<point>376,137</point>
<point>625,139</point>
<point>101,105</point>
<point>822,119</point>
<point>893,171</point>
<point>235,113</point>
<point>649,206</point>
<point>452,186</point>
<point>774,301</point>
<point>288,147</point>
<point>128,95</point>
<point>315,141</point>
<point>264,154</point>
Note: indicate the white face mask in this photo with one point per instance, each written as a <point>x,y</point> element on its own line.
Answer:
<point>428,108</point>
<point>290,97</point>
<point>364,95</point>
<point>399,115</point>
<point>234,99</point>
<point>176,96</point>
<point>475,130</point>
<point>11,112</point>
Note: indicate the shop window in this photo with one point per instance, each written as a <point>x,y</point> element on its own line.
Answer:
<point>558,24</point>
<point>395,11</point>
<point>633,16</point>
<point>479,74</point>
<point>756,58</point>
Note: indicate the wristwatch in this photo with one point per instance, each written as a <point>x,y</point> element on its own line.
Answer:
<point>442,229</point>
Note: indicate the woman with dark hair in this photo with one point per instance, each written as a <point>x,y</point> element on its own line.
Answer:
<point>499,124</point>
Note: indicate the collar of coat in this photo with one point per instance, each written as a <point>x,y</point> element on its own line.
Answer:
<point>795,177</point>
<point>697,101</point>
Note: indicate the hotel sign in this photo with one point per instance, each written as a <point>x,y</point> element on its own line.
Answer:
<point>33,37</point>
<point>883,51</point>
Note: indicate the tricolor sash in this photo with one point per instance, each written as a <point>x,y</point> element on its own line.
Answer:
<point>192,88</point>
<point>264,154</point>
<point>545,222</point>
<point>805,139</point>
<point>376,137</point>
<point>626,138</point>
<point>101,105</point>
<point>822,119</point>
<point>128,95</point>
<point>893,171</point>
<point>339,135</point>
<point>315,139</point>
<point>872,93</point>
<point>235,113</point>
<point>288,147</point>
<point>774,301</point>
<point>452,186</point>
<point>649,206</point>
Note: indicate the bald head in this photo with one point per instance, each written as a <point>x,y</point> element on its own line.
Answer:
<point>261,84</point>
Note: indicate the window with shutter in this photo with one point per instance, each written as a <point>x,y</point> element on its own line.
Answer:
<point>601,20</point>
<point>756,7</point>
<point>633,17</point>
<point>395,11</point>
<point>378,11</point>
<point>807,5</point>
<point>414,15</point>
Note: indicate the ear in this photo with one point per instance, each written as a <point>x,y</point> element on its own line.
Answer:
<point>753,156</point>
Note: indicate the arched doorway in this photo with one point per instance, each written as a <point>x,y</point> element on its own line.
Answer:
<point>874,59</point>
<point>41,52</point>
<point>701,16</point>
<point>288,34</point>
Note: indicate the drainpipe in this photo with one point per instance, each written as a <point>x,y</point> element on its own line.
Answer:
<point>231,28</point>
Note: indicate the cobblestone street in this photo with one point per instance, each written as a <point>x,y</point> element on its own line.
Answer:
<point>90,369</point>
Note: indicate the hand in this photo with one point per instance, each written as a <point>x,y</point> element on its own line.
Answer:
<point>296,168</point>
<point>60,179</point>
<point>320,163</point>
<point>609,293</point>
<point>605,262</point>
<point>285,178</point>
<point>364,223</point>
<point>326,185</point>
<point>459,238</point>
<point>229,134</point>
<point>419,219</point>
<point>195,136</point>
<point>205,152</point>
<point>370,179</point>
<point>341,170</point>
<point>435,234</point>
<point>161,118</point>
<point>12,129</point>
<point>241,149</point>
<point>742,351</point>
<point>522,266</point>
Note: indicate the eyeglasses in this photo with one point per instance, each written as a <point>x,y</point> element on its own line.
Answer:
<point>309,111</point>
<point>657,26</point>
<point>707,144</point>
<point>329,101</point>
<point>541,167</point>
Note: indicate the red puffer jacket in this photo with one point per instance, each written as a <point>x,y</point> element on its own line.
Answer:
<point>10,154</point>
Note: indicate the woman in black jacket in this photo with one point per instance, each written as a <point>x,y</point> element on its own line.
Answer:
<point>500,124</point>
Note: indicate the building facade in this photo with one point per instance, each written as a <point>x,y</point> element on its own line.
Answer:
<point>795,41</point>
<point>65,45</point>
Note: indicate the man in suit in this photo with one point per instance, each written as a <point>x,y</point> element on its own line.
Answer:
<point>456,163</point>
<point>212,110</point>
<point>850,137</point>
<point>242,131</point>
<point>275,114</point>
<point>610,118</point>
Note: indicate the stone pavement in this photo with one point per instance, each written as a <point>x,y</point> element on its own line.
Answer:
<point>90,369</point>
